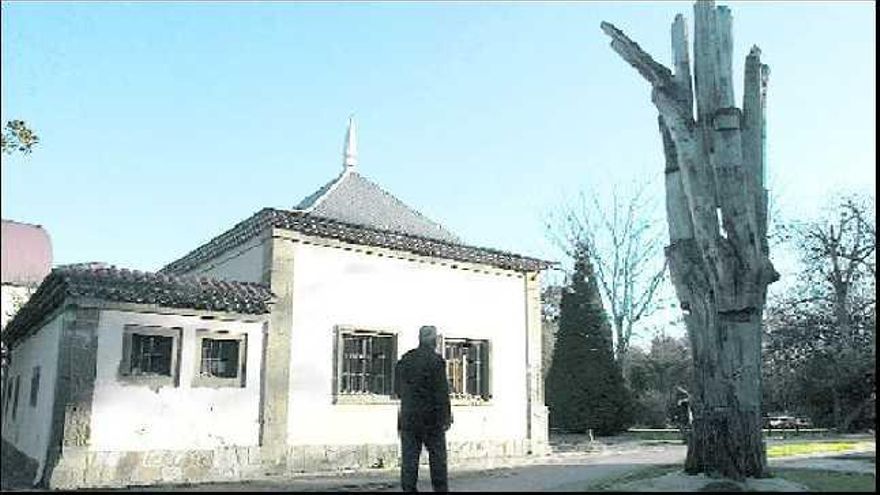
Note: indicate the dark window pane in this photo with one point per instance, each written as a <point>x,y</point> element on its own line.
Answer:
<point>35,386</point>
<point>151,354</point>
<point>15,400</point>
<point>367,364</point>
<point>466,367</point>
<point>220,358</point>
<point>8,399</point>
<point>484,370</point>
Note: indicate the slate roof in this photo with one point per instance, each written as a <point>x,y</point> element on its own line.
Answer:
<point>352,198</point>
<point>26,253</point>
<point>131,286</point>
<point>311,224</point>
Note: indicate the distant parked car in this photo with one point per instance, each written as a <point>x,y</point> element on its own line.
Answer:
<point>801,422</point>
<point>783,421</point>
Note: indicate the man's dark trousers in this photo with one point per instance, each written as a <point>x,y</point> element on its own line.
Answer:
<point>411,441</point>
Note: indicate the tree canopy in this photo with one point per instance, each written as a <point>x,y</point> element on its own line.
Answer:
<point>585,388</point>
<point>820,352</point>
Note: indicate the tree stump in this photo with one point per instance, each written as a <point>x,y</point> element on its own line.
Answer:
<point>716,204</point>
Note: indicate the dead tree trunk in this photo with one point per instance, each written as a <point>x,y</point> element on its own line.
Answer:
<point>716,205</point>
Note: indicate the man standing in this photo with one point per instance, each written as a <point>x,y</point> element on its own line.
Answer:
<point>425,413</point>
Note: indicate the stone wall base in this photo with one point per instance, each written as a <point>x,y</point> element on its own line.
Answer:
<point>81,468</point>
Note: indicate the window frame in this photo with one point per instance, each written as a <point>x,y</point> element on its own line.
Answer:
<point>485,378</point>
<point>124,373</point>
<point>340,397</point>
<point>209,381</point>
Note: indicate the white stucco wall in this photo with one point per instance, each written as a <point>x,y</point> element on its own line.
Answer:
<point>243,263</point>
<point>29,432</point>
<point>337,287</point>
<point>135,417</point>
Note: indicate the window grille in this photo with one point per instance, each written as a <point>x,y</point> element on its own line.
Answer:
<point>467,367</point>
<point>220,358</point>
<point>366,362</point>
<point>151,354</point>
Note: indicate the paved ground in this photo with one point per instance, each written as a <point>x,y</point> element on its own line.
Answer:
<point>18,470</point>
<point>574,466</point>
<point>556,472</point>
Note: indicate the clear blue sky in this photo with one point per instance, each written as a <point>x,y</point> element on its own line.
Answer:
<point>163,124</point>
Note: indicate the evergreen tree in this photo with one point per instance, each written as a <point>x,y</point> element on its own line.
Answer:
<point>585,387</point>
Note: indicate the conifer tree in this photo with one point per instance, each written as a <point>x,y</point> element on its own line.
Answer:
<point>585,388</point>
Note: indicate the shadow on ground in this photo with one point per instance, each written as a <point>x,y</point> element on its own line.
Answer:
<point>18,469</point>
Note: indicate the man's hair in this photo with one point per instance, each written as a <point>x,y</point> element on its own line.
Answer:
<point>428,335</point>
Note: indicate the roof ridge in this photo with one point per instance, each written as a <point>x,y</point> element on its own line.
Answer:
<point>37,225</point>
<point>114,270</point>
<point>414,236</point>
<point>320,226</point>
<point>217,239</point>
<point>311,201</point>
<point>123,285</point>
<point>406,206</point>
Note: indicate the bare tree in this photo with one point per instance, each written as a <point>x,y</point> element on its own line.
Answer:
<point>716,205</point>
<point>625,243</point>
<point>840,252</point>
<point>829,317</point>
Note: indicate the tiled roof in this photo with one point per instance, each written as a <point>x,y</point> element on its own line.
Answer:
<point>26,253</point>
<point>352,198</point>
<point>128,286</point>
<point>310,224</point>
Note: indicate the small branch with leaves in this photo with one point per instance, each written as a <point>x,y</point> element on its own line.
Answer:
<point>18,137</point>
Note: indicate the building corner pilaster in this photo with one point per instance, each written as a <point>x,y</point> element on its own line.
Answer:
<point>538,440</point>
<point>275,383</point>
<point>74,392</point>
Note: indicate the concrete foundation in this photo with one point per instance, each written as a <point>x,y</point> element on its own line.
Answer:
<point>79,467</point>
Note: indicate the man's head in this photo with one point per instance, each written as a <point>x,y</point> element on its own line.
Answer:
<point>428,336</point>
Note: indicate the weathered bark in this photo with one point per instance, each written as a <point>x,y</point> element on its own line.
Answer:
<point>717,215</point>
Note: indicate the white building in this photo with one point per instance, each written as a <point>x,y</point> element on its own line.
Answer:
<point>26,252</point>
<point>271,347</point>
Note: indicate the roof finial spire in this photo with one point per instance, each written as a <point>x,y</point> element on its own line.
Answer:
<point>350,158</point>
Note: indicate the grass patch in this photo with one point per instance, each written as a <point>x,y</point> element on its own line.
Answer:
<point>673,434</point>
<point>635,475</point>
<point>828,481</point>
<point>653,434</point>
<point>787,449</point>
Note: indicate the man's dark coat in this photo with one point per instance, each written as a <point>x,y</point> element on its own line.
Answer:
<point>420,382</point>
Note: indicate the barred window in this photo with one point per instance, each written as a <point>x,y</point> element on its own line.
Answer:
<point>222,357</point>
<point>150,355</point>
<point>467,367</point>
<point>365,362</point>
